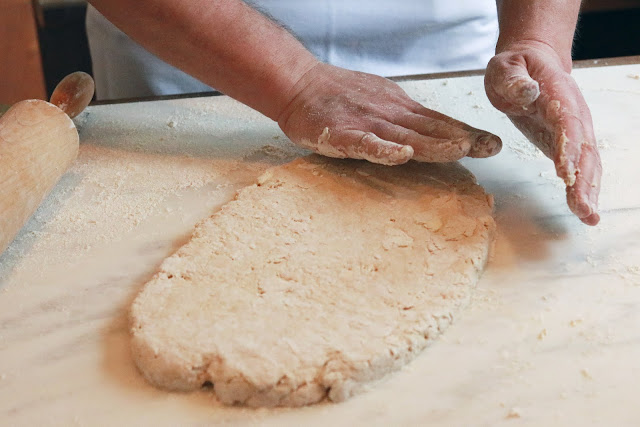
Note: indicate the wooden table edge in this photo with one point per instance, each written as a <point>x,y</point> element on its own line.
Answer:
<point>589,63</point>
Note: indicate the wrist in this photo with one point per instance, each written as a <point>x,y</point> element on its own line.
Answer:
<point>288,82</point>
<point>546,26</point>
<point>561,54</point>
<point>309,78</point>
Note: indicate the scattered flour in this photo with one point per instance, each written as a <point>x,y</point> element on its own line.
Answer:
<point>126,170</point>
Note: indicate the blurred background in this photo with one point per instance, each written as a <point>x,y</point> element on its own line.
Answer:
<point>41,41</point>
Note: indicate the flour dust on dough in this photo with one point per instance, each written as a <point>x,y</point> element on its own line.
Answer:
<point>323,277</point>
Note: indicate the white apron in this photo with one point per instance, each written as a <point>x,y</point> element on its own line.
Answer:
<point>389,38</point>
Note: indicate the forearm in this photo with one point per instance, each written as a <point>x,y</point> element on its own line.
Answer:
<point>224,43</point>
<point>550,22</point>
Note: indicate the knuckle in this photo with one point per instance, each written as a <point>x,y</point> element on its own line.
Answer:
<point>367,139</point>
<point>402,136</point>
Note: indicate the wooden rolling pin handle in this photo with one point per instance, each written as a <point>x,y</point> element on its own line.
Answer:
<point>73,93</point>
<point>38,143</point>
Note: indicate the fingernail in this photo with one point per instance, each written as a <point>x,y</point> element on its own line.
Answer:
<point>487,144</point>
<point>486,140</point>
<point>592,219</point>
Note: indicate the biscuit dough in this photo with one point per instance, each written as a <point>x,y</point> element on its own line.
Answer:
<point>324,276</point>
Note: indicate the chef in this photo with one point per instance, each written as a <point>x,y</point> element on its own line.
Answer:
<point>314,68</point>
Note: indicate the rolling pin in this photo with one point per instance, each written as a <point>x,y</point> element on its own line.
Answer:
<point>38,143</point>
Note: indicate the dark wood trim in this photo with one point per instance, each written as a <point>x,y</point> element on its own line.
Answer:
<point>627,60</point>
<point>589,63</point>
<point>606,62</point>
<point>589,6</point>
<point>436,76</point>
<point>158,98</point>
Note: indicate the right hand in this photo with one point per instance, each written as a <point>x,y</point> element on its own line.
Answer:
<point>532,84</point>
<point>348,114</point>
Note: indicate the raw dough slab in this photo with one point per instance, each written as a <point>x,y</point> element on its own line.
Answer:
<point>324,276</point>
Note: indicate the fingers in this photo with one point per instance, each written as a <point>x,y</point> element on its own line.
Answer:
<point>436,125</point>
<point>357,144</point>
<point>509,86</point>
<point>575,154</point>
<point>572,147</point>
<point>427,148</point>
<point>582,196</point>
<point>565,114</point>
<point>368,146</point>
<point>578,163</point>
<point>391,144</point>
<point>569,139</point>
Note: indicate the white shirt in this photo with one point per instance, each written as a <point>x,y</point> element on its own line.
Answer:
<point>389,38</point>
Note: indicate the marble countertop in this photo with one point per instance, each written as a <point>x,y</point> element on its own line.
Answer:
<point>551,338</point>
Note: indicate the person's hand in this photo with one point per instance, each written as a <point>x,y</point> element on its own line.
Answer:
<point>531,84</point>
<point>347,114</point>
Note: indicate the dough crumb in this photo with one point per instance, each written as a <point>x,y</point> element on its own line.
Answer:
<point>585,373</point>
<point>265,177</point>
<point>542,335</point>
<point>575,322</point>
<point>514,413</point>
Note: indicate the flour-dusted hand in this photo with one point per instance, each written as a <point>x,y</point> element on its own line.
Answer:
<point>530,84</point>
<point>530,80</point>
<point>347,114</point>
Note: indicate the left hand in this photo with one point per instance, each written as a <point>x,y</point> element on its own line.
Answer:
<point>531,83</point>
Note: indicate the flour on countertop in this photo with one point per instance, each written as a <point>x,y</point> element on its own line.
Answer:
<point>113,189</point>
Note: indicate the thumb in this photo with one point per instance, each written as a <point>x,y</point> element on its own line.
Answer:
<point>509,86</point>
